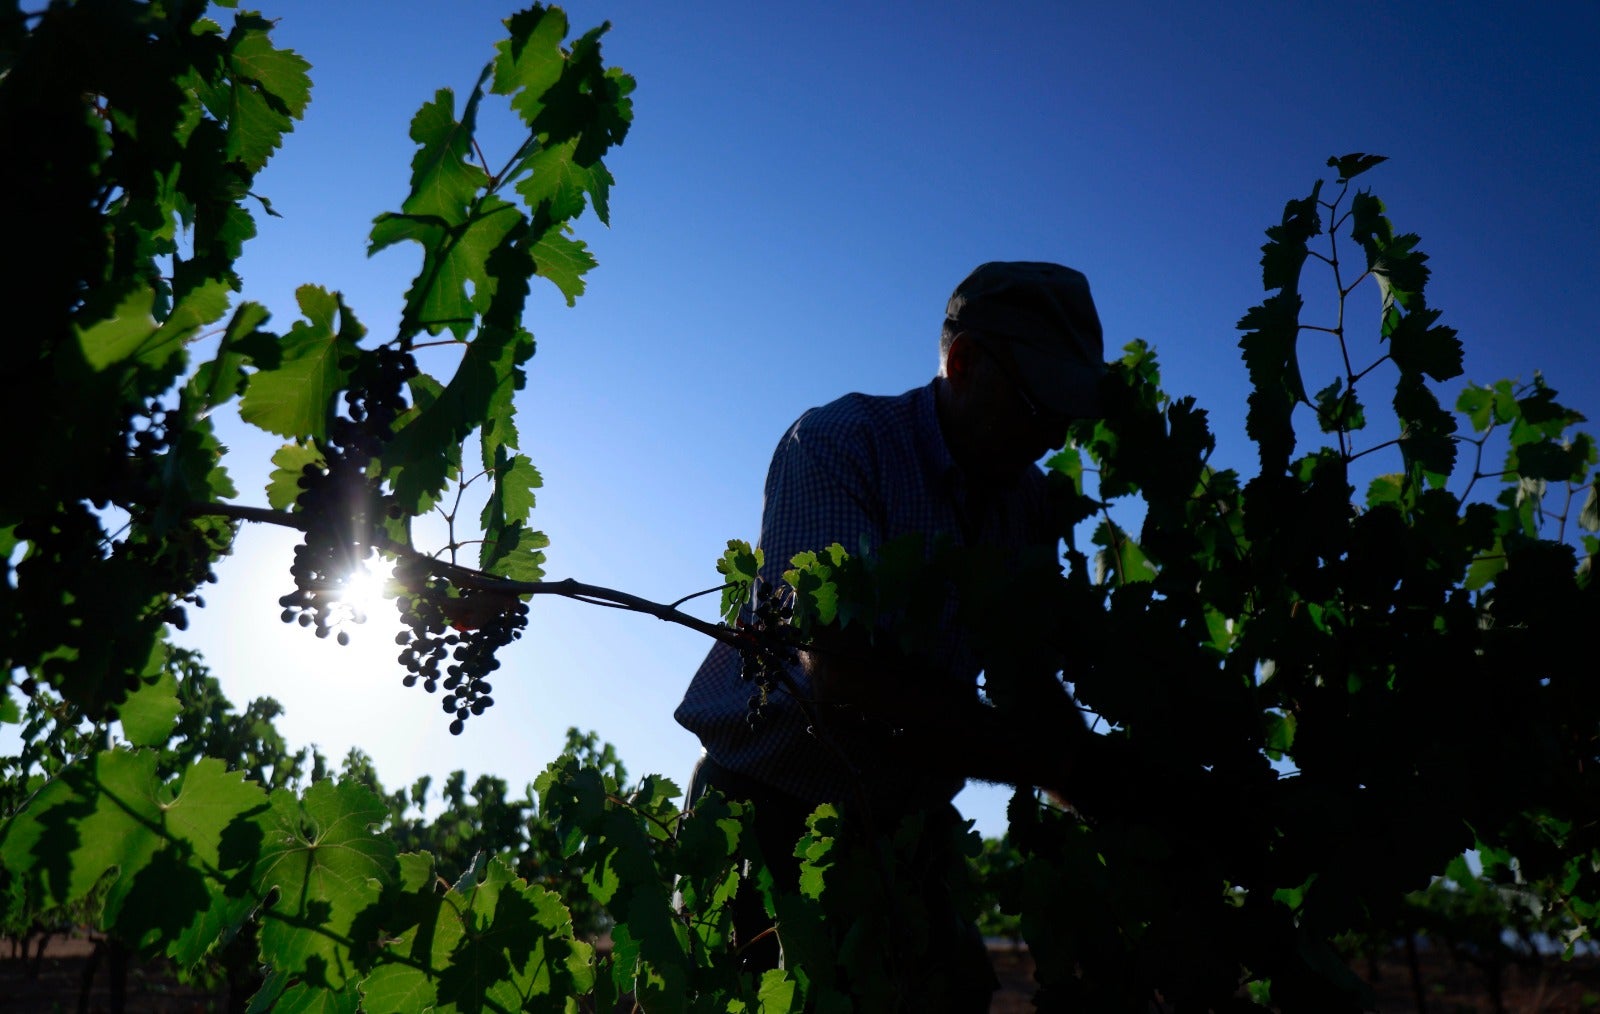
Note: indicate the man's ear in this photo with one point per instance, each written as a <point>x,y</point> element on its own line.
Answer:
<point>963,354</point>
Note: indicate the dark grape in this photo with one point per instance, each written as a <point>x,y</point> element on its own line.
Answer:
<point>766,654</point>
<point>464,656</point>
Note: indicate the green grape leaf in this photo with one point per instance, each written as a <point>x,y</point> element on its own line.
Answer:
<point>1506,408</point>
<point>216,812</point>
<point>157,847</point>
<point>563,96</point>
<point>491,941</point>
<point>511,500</point>
<point>1418,345</point>
<point>512,264</point>
<point>1338,410</point>
<point>529,63</point>
<point>283,484</point>
<point>564,261</point>
<point>1550,460</point>
<point>1353,165</point>
<point>776,993</point>
<point>740,565</point>
<point>272,988</point>
<point>1538,415</point>
<point>1386,489</point>
<point>213,820</point>
<point>1368,224</point>
<point>1589,514</point>
<point>304,998</point>
<point>1271,330</point>
<point>149,713</point>
<point>1426,444</point>
<point>292,392</point>
<point>443,180</point>
<point>1477,404</point>
<point>1121,561</point>
<point>427,447</point>
<point>76,828</point>
<point>458,280</point>
<point>1068,462</point>
<point>391,227</point>
<point>271,89</point>
<point>132,334</point>
<point>1279,738</point>
<point>557,186</point>
<point>327,866</point>
<point>1484,569</point>
<point>191,473</point>
<point>514,552</point>
<point>816,593</point>
<point>1284,255</point>
<point>1401,272</point>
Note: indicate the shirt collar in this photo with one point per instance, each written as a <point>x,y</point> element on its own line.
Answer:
<point>931,448</point>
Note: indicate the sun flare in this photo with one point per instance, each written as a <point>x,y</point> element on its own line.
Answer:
<point>363,589</point>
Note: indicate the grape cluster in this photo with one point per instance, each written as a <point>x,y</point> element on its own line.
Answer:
<point>450,640</point>
<point>147,430</point>
<point>340,502</point>
<point>764,651</point>
<point>451,633</point>
<point>337,503</point>
<point>181,558</point>
<point>374,398</point>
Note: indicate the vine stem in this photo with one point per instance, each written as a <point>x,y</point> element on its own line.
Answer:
<point>466,577</point>
<point>1346,443</point>
<point>1378,447</point>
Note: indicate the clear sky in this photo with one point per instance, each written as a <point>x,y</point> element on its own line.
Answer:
<point>803,186</point>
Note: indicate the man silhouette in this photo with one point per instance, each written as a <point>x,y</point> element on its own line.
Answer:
<point>1020,357</point>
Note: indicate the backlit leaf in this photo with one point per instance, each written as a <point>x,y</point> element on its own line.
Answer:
<point>149,712</point>
<point>328,864</point>
<point>456,284</point>
<point>558,185</point>
<point>289,461</point>
<point>443,177</point>
<point>294,395</point>
<point>133,334</point>
<point>1589,515</point>
<point>429,440</point>
<point>515,553</point>
<point>271,89</point>
<point>512,497</point>
<point>1339,410</point>
<point>1477,404</point>
<point>530,62</point>
<point>564,261</point>
<point>220,380</point>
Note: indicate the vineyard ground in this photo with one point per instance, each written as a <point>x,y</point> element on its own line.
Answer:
<point>1452,986</point>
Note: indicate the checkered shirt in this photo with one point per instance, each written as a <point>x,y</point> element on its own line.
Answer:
<point>866,469</point>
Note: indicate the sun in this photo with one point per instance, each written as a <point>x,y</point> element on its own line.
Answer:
<point>363,589</point>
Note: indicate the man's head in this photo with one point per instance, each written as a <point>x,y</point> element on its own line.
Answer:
<point>1022,355</point>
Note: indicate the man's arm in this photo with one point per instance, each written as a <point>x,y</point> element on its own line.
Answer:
<point>942,730</point>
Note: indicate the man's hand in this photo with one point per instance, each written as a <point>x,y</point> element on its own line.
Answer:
<point>941,729</point>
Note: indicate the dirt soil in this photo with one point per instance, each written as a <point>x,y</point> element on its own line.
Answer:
<point>58,980</point>
<point>1449,985</point>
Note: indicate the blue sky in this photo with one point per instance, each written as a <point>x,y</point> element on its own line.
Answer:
<point>803,186</point>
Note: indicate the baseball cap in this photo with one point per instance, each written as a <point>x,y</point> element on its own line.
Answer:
<point>1046,317</point>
